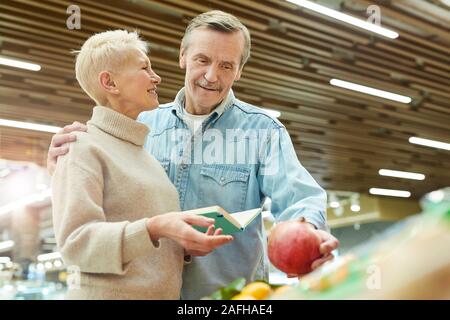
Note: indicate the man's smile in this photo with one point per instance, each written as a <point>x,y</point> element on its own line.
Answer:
<point>208,89</point>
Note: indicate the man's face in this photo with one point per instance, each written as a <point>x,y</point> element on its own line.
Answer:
<point>212,63</point>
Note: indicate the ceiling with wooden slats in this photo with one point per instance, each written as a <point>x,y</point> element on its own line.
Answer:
<point>342,137</point>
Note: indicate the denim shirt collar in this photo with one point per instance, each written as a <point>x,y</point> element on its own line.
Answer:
<point>178,105</point>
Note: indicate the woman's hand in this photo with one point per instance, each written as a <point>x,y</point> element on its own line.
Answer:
<point>178,227</point>
<point>209,232</point>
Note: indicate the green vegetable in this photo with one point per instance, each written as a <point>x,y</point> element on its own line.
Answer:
<point>226,293</point>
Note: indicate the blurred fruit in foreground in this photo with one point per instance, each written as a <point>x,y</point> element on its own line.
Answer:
<point>241,296</point>
<point>258,290</point>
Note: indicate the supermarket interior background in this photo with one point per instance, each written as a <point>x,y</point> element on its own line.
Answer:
<point>377,156</point>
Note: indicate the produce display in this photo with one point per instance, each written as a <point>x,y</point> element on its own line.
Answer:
<point>410,260</point>
<point>237,290</point>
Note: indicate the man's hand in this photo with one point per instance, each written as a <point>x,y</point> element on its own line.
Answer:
<point>329,243</point>
<point>178,227</point>
<point>58,145</point>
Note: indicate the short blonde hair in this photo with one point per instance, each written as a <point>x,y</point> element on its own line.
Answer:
<point>219,21</point>
<point>105,51</point>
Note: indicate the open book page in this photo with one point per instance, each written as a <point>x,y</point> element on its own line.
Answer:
<point>245,217</point>
<point>223,219</point>
<point>229,223</point>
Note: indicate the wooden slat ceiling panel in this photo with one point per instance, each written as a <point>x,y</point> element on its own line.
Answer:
<point>342,137</point>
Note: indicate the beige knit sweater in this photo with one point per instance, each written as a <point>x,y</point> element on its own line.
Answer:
<point>104,190</point>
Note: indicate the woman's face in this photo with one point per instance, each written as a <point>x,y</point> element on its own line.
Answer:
<point>136,85</point>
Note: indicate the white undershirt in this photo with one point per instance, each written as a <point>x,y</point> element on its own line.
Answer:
<point>194,121</point>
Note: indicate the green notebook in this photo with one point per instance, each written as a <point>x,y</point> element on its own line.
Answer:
<point>229,222</point>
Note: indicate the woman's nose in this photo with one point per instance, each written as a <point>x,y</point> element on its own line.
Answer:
<point>156,79</point>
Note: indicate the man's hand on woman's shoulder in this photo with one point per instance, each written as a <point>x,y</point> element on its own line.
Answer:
<point>58,146</point>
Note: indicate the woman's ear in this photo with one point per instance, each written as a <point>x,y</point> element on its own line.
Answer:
<point>107,83</point>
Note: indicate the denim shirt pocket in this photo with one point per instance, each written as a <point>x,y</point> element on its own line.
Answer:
<point>224,185</point>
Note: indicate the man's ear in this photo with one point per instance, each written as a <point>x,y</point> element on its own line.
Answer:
<point>182,58</point>
<point>238,76</point>
<point>107,83</point>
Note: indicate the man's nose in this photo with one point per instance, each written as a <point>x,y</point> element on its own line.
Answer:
<point>211,74</point>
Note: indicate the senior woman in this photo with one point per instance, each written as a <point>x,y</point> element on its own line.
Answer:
<point>115,212</point>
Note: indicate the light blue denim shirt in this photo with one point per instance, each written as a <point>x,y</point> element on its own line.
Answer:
<point>238,157</point>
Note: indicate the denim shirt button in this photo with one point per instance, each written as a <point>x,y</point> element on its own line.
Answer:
<point>184,166</point>
<point>222,179</point>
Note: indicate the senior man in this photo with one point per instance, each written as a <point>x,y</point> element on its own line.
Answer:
<point>218,150</point>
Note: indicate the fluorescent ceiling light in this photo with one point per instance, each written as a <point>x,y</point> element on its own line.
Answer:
<point>371,91</point>
<point>272,113</point>
<point>6,245</point>
<point>49,256</point>
<point>29,126</point>
<point>346,18</point>
<point>5,259</point>
<point>37,197</point>
<point>430,143</point>
<point>401,174</point>
<point>334,204</point>
<point>58,264</point>
<point>19,64</point>
<point>390,192</point>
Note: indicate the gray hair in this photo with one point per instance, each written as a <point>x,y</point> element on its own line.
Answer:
<point>219,21</point>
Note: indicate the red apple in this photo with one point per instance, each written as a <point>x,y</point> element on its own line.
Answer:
<point>293,247</point>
